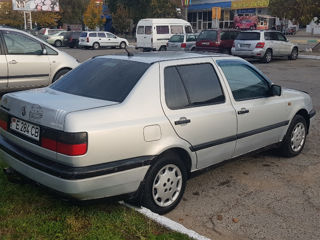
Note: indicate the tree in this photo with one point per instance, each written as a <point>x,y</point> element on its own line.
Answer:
<point>164,8</point>
<point>46,19</point>
<point>10,17</point>
<point>92,16</point>
<point>120,19</point>
<point>303,11</point>
<point>73,10</point>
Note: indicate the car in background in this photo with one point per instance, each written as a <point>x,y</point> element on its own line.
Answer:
<point>264,45</point>
<point>182,42</point>
<point>216,40</point>
<point>43,33</point>
<point>141,125</point>
<point>97,39</point>
<point>72,39</point>
<point>28,62</point>
<point>246,24</point>
<point>57,39</point>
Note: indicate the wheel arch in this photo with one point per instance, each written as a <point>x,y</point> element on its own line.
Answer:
<point>59,70</point>
<point>305,115</point>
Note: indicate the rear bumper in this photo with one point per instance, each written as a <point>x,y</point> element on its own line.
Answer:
<point>256,53</point>
<point>83,183</point>
<point>208,49</point>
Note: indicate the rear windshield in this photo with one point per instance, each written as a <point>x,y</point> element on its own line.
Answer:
<point>248,36</point>
<point>208,35</point>
<point>83,34</point>
<point>102,78</point>
<point>176,38</point>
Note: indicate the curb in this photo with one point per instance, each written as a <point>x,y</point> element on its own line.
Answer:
<point>309,57</point>
<point>166,222</point>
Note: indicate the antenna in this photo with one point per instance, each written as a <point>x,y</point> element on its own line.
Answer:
<point>130,54</point>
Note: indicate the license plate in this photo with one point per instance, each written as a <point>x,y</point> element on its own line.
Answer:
<point>205,43</point>
<point>25,128</point>
<point>82,40</point>
<point>245,45</point>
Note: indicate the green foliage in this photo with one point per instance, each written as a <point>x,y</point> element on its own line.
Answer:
<point>9,17</point>
<point>30,212</point>
<point>73,10</point>
<point>120,19</point>
<point>303,11</point>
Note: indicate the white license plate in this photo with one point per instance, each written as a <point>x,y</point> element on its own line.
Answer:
<point>245,45</point>
<point>25,128</point>
<point>82,40</point>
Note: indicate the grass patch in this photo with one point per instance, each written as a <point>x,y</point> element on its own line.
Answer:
<point>29,212</point>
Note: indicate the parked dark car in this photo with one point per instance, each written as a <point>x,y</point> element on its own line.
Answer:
<point>72,39</point>
<point>218,40</point>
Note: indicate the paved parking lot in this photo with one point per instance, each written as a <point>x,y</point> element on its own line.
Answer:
<point>261,196</point>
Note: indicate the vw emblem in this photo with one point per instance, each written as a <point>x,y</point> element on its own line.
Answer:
<point>23,111</point>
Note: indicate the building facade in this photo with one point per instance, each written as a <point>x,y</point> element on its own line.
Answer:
<point>200,12</point>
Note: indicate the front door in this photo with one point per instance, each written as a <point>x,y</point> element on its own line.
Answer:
<point>27,66</point>
<point>262,118</point>
<point>112,40</point>
<point>195,103</point>
<point>102,39</point>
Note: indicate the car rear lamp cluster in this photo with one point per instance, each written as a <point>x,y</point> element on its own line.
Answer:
<point>88,40</point>
<point>71,144</point>
<point>183,45</point>
<point>3,120</point>
<point>260,45</point>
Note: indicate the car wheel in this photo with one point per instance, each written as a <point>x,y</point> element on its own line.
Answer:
<point>165,184</point>
<point>193,49</point>
<point>294,54</point>
<point>123,45</point>
<point>58,43</point>
<point>163,48</point>
<point>267,56</point>
<point>295,138</point>
<point>96,46</point>
<point>60,74</point>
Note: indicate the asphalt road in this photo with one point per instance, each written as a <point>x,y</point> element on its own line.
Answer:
<point>261,196</point>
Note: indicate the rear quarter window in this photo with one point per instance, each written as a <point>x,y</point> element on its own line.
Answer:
<point>83,34</point>
<point>92,34</point>
<point>102,78</point>
<point>208,35</point>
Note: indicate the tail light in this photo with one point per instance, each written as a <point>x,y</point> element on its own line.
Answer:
<point>3,120</point>
<point>198,44</point>
<point>233,45</point>
<point>71,144</point>
<point>183,45</point>
<point>260,45</point>
<point>217,44</point>
<point>88,39</point>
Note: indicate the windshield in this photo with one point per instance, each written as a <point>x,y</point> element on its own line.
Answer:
<point>102,78</point>
<point>176,38</point>
<point>248,36</point>
<point>208,35</point>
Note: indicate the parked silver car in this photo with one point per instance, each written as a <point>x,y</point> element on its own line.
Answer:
<point>141,124</point>
<point>264,45</point>
<point>28,62</point>
<point>182,42</point>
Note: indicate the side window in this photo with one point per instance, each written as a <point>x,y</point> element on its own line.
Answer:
<point>267,36</point>
<point>202,84</point>
<point>92,34</point>
<point>225,35</point>
<point>50,51</point>
<point>188,29</point>
<point>140,30</point>
<point>245,82</point>
<point>175,29</point>
<point>163,29</point>
<point>110,35</point>
<point>273,36</point>
<point>101,35</point>
<point>175,94</point>
<point>17,43</point>
<point>281,37</point>
<point>191,38</point>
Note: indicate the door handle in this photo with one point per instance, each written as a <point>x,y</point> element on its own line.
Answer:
<point>13,62</point>
<point>182,120</point>
<point>243,111</point>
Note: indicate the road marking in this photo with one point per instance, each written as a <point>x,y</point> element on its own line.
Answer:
<point>166,222</point>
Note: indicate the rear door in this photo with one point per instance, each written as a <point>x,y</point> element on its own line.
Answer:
<point>285,46</point>
<point>27,66</point>
<point>144,36</point>
<point>195,103</point>
<point>275,44</point>
<point>3,67</point>
<point>112,40</point>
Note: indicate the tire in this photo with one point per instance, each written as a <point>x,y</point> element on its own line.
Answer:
<point>295,138</point>
<point>60,74</point>
<point>122,45</point>
<point>294,54</point>
<point>58,43</point>
<point>193,49</point>
<point>267,56</point>
<point>162,48</point>
<point>96,46</point>
<point>166,179</point>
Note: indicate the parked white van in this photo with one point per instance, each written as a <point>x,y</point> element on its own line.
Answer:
<point>154,33</point>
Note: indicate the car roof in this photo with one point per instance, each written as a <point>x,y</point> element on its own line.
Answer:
<point>165,56</point>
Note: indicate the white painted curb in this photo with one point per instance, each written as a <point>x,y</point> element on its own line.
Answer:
<point>166,222</point>
<point>309,57</point>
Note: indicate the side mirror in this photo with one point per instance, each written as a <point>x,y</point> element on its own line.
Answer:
<point>276,90</point>
<point>44,52</point>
